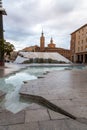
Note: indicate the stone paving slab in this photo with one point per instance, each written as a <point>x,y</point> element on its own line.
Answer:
<point>36,115</point>
<point>76,107</point>
<point>79,111</point>
<point>53,125</point>
<point>29,126</point>
<point>80,102</point>
<point>3,128</point>
<point>55,115</point>
<point>75,125</point>
<point>34,106</point>
<point>65,124</point>
<point>7,118</point>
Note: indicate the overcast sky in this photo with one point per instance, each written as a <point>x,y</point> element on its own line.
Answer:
<point>58,19</point>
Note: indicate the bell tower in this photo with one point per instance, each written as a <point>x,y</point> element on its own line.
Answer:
<point>51,44</point>
<point>2,12</point>
<point>42,42</point>
<point>51,40</point>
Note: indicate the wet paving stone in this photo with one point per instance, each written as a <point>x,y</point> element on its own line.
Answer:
<point>7,118</point>
<point>55,115</point>
<point>3,127</point>
<point>53,125</point>
<point>75,125</point>
<point>30,126</point>
<point>36,115</point>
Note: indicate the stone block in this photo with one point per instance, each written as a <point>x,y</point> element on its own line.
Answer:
<point>55,115</point>
<point>7,118</point>
<point>53,125</point>
<point>3,128</point>
<point>75,125</point>
<point>36,115</point>
<point>30,126</point>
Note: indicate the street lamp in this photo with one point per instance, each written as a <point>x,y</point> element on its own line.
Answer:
<point>2,12</point>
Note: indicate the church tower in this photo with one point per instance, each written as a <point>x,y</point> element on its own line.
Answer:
<point>42,42</point>
<point>51,44</point>
<point>51,41</point>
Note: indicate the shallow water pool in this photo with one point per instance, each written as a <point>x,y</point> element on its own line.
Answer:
<point>12,84</point>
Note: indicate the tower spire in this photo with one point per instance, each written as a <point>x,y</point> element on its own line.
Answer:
<point>42,32</point>
<point>2,12</point>
<point>51,40</point>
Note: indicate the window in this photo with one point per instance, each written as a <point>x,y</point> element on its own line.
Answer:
<point>82,41</point>
<point>82,29</point>
<point>78,49</point>
<point>81,48</point>
<point>86,47</point>
<point>78,42</point>
<point>86,39</point>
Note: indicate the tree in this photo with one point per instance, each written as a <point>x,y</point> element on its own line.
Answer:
<point>8,48</point>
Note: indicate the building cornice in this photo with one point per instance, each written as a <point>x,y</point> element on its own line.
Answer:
<point>79,29</point>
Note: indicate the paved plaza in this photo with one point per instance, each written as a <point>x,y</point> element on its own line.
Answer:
<point>65,88</point>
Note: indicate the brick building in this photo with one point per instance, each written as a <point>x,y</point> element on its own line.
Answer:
<point>79,45</point>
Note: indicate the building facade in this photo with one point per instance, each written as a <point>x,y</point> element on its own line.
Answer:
<point>79,45</point>
<point>32,49</point>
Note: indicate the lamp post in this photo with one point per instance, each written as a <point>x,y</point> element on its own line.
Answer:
<point>2,12</point>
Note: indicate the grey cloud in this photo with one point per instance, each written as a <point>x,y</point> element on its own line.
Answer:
<point>65,6</point>
<point>18,34</point>
<point>56,17</point>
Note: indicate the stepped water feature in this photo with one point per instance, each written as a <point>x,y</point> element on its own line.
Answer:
<point>40,57</point>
